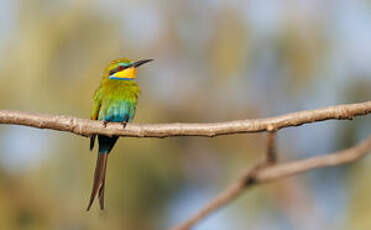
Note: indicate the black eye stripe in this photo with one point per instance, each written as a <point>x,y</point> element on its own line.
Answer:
<point>117,69</point>
<point>112,72</point>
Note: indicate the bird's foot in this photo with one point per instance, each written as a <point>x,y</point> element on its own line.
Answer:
<point>105,123</point>
<point>124,123</point>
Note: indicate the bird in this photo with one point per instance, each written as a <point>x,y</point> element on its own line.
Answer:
<point>115,100</point>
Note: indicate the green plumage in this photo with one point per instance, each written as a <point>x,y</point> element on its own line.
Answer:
<point>117,99</point>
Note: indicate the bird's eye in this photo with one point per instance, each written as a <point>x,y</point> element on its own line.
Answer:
<point>120,68</point>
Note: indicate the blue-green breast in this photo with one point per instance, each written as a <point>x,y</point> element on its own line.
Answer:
<point>118,100</point>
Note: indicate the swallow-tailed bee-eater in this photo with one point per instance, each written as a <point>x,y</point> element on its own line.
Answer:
<point>115,100</point>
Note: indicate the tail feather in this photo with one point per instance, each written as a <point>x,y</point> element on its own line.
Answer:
<point>92,141</point>
<point>99,180</point>
<point>101,189</point>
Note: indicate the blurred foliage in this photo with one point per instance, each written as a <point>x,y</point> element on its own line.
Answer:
<point>214,60</point>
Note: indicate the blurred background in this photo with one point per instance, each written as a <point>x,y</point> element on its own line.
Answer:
<point>214,61</point>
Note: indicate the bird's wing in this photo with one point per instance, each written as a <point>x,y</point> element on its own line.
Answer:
<point>95,113</point>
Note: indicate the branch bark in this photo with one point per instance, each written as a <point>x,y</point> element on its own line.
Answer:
<point>262,172</point>
<point>87,127</point>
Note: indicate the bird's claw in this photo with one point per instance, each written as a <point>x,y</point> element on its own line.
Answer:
<point>105,123</point>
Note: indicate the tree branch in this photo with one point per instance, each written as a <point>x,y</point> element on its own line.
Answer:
<point>87,127</point>
<point>262,172</point>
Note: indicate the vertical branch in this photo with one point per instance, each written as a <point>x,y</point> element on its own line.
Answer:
<point>271,148</point>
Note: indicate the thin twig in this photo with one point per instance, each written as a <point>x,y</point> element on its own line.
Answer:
<point>292,168</point>
<point>87,127</point>
<point>262,173</point>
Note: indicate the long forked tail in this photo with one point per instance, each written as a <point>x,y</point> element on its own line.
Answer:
<point>99,180</point>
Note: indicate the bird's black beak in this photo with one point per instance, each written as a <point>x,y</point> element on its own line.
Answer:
<point>141,62</point>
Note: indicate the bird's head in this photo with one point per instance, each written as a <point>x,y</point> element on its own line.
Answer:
<point>123,68</point>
